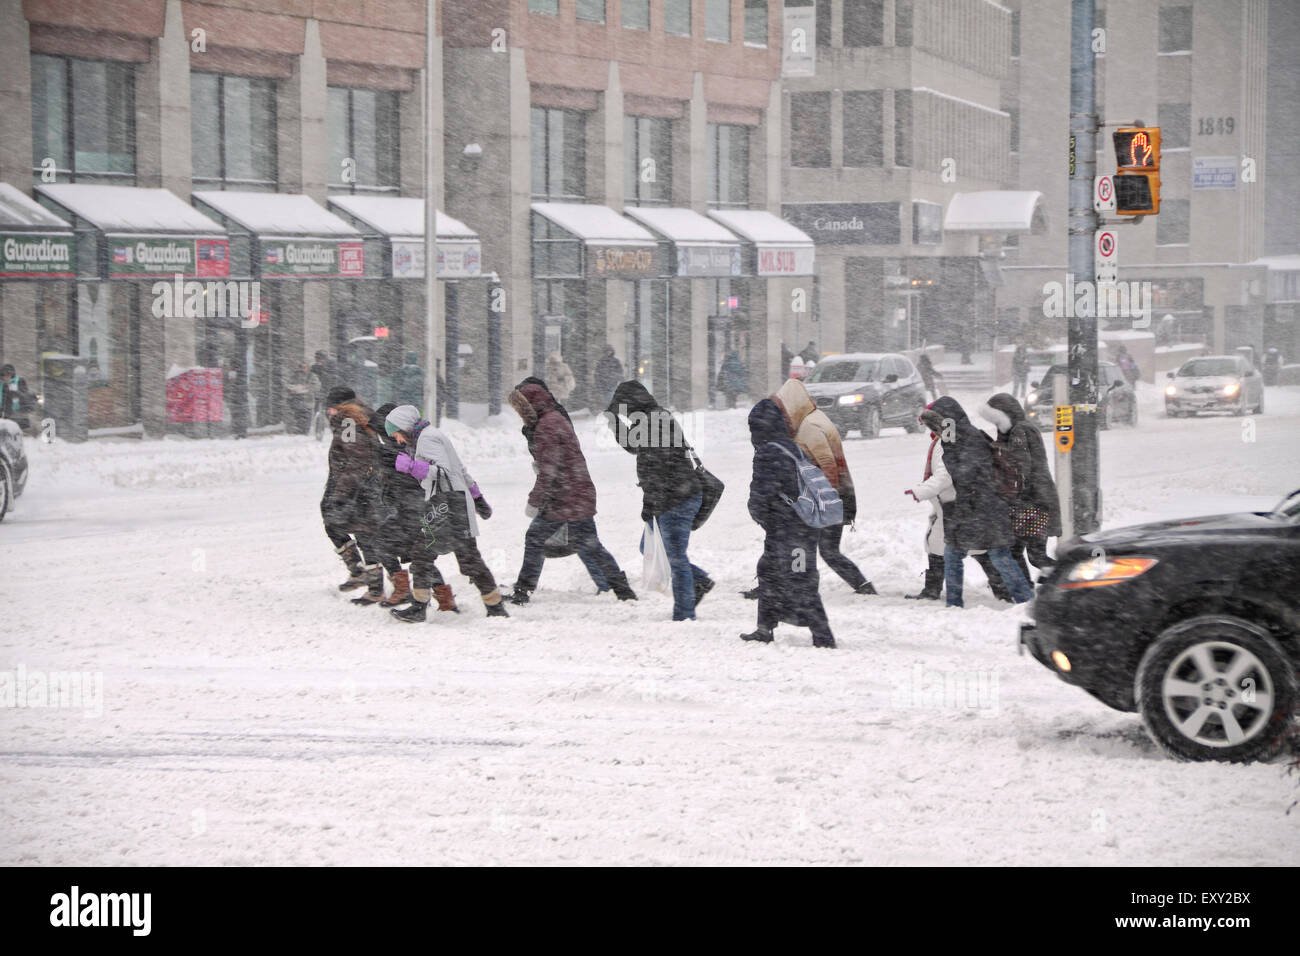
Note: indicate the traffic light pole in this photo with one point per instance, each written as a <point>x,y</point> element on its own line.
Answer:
<point>1084,457</point>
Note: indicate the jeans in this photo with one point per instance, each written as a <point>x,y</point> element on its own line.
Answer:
<point>1006,567</point>
<point>675,526</point>
<point>582,535</point>
<point>836,560</point>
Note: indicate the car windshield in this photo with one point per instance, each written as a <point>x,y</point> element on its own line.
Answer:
<point>1289,507</point>
<point>832,371</point>
<point>1198,368</point>
<point>1045,384</point>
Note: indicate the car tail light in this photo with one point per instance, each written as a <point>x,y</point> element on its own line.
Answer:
<point>1102,572</point>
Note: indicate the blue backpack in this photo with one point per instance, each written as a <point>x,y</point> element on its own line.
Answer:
<point>819,505</point>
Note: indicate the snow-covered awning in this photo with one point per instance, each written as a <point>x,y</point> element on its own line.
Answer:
<point>296,237</point>
<point>141,233</point>
<point>703,246</point>
<point>996,210</point>
<point>34,243</point>
<point>400,220</point>
<point>614,247</point>
<point>780,249</point>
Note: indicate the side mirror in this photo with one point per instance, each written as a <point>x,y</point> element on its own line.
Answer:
<point>1169,374</point>
<point>891,377</point>
<point>1033,384</point>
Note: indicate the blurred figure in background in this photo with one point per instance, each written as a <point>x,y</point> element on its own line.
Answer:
<point>609,372</point>
<point>559,377</point>
<point>732,378</point>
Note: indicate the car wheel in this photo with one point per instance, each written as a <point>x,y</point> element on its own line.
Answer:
<point>871,422</point>
<point>1216,688</point>
<point>6,488</point>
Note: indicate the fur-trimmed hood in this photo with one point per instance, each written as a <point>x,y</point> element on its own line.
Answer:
<point>1003,411</point>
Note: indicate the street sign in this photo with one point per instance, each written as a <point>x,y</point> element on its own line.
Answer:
<point>1064,427</point>
<point>1106,257</point>
<point>1103,194</point>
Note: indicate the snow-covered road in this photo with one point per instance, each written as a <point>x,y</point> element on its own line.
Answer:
<point>251,715</point>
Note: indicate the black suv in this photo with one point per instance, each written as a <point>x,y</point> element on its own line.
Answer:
<point>1194,623</point>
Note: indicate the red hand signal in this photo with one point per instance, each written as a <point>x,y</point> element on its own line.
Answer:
<point>1139,140</point>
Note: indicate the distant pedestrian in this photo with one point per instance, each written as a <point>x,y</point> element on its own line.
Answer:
<point>17,401</point>
<point>732,378</point>
<point>928,375</point>
<point>1020,372</point>
<point>609,372</point>
<point>408,382</point>
<point>236,394</point>
<point>810,354</point>
<point>559,377</point>
<point>1128,366</point>
<point>787,571</point>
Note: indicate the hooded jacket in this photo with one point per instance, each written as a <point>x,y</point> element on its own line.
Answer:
<point>978,518</point>
<point>563,490</point>
<point>664,469</point>
<point>814,432</point>
<point>559,377</point>
<point>1025,441</point>
<point>351,491</point>
<point>433,446</point>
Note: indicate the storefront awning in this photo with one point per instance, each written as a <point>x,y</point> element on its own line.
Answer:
<point>142,233</point>
<point>780,249</point>
<point>704,247</point>
<point>614,247</point>
<point>996,210</point>
<point>34,243</point>
<point>295,237</point>
<point>400,220</point>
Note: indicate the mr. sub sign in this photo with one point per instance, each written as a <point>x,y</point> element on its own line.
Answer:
<point>783,260</point>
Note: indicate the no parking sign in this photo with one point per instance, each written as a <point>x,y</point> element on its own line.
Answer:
<point>1106,253</point>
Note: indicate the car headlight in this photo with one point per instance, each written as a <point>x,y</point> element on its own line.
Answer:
<point>850,400</point>
<point>1171,390</point>
<point>1101,572</point>
<point>1031,398</point>
<point>1231,389</point>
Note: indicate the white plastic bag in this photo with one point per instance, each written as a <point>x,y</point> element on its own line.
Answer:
<point>655,572</point>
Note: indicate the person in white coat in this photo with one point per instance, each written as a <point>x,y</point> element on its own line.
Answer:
<point>936,488</point>
<point>434,454</point>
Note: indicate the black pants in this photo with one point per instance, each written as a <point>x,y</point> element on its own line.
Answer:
<point>583,538</point>
<point>835,559</point>
<point>425,574</point>
<point>1037,548</point>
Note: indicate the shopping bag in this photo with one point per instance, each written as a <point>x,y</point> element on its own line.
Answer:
<point>446,520</point>
<point>655,572</point>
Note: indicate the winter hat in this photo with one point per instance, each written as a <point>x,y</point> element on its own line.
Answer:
<point>339,395</point>
<point>402,418</point>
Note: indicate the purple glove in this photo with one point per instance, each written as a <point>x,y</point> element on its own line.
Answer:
<point>419,470</point>
<point>474,492</point>
<point>404,462</point>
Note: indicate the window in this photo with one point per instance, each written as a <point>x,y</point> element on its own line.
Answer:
<point>728,165</point>
<point>677,17</point>
<point>863,137</point>
<point>1175,120</point>
<point>810,129</point>
<point>902,127</point>
<point>1175,29</point>
<point>864,22</point>
<point>1015,31</point>
<point>232,131</point>
<point>1173,225</point>
<point>755,22</point>
<point>559,153</point>
<point>593,10</point>
<point>544,6</point>
<point>717,20</point>
<point>903,23</point>
<point>83,118</point>
<point>636,14</point>
<point>363,136</point>
<point>648,152</point>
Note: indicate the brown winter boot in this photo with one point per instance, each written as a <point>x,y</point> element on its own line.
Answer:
<point>374,587</point>
<point>401,590</point>
<point>444,597</point>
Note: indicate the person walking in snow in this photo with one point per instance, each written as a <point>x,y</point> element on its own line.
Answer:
<point>562,495</point>
<point>1020,371</point>
<point>978,520</point>
<point>1035,508</point>
<point>671,493</point>
<point>609,372</point>
<point>936,488</point>
<point>928,375</point>
<point>817,436</point>
<point>787,571</point>
<point>429,454</point>
<point>559,377</point>
<point>732,378</point>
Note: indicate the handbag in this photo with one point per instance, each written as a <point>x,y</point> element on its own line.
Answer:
<point>445,520</point>
<point>1030,522</point>
<point>711,487</point>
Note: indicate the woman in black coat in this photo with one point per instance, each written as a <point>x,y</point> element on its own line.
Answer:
<point>787,571</point>
<point>1024,444</point>
<point>979,518</point>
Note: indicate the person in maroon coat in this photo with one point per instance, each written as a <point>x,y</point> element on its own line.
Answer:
<point>563,494</point>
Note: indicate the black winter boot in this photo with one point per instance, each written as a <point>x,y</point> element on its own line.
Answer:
<point>823,640</point>
<point>866,587</point>
<point>356,570</point>
<point>761,634</point>
<point>497,610</point>
<point>702,587</point>
<point>414,613</point>
<point>519,594</point>
<point>933,588</point>
<point>622,590</point>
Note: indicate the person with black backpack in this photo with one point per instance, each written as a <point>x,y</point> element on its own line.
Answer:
<point>787,571</point>
<point>671,491</point>
<point>978,520</point>
<point>1025,481</point>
